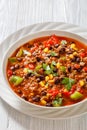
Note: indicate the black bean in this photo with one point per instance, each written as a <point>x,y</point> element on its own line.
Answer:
<point>19,59</point>
<point>38,59</point>
<point>78,59</point>
<point>12,68</point>
<point>49,105</point>
<point>69,68</point>
<point>24,97</point>
<point>51,47</point>
<point>74,59</point>
<point>27,75</point>
<point>57,80</point>
<point>55,70</point>
<point>62,50</point>
<point>56,45</point>
<point>36,98</point>
<point>43,93</point>
<point>41,77</point>
<point>79,69</point>
<point>38,80</point>
<point>17,66</point>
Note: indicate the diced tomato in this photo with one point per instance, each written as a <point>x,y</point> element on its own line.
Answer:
<point>51,41</point>
<point>77,66</point>
<point>54,39</point>
<point>83,54</point>
<point>10,72</point>
<point>53,92</point>
<point>66,93</point>
<point>85,69</point>
<point>31,66</point>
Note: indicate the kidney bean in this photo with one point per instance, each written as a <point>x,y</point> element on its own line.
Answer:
<point>49,105</point>
<point>43,93</point>
<point>19,59</point>
<point>57,80</point>
<point>12,68</point>
<point>17,66</point>
<point>36,98</point>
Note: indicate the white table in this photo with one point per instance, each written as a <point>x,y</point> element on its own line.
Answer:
<point>15,14</point>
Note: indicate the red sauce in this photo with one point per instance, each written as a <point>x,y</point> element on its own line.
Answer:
<point>49,71</point>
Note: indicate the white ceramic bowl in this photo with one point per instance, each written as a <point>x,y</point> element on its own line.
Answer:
<point>36,110</point>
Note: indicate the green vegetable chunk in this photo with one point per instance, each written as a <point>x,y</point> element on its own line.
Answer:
<point>16,80</point>
<point>38,67</point>
<point>20,53</point>
<point>76,95</point>
<point>52,53</point>
<point>12,59</point>
<point>57,102</point>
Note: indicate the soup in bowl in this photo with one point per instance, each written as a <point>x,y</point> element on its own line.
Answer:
<point>49,69</point>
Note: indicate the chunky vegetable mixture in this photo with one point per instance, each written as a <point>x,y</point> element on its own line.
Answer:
<point>49,71</point>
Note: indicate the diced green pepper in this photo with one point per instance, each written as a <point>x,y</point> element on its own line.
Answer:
<point>57,102</point>
<point>38,67</point>
<point>48,72</point>
<point>20,53</point>
<point>44,66</point>
<point>76,95</point>
<point>52,53</point>
<point>12,59</point>
<point>16,80</point>
<point>53,63</point>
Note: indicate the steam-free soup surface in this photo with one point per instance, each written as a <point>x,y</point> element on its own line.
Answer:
<point>49,71</point>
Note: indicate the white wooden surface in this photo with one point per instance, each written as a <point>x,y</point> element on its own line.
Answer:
<point>15,14</point>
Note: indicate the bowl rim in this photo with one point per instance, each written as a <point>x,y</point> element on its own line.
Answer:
<point>24,37</point>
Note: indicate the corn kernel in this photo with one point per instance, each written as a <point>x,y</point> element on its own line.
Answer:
<point>46,78</point>
<point>25,70</point>
<point>73,46</point>
<point>71,56</point>
<point>48,95</point>
<point>51,81</point>
<point>81,82</point>
<point>46,86</point>
<point>49,51</point>
<point>58,65</point>
<point>41,83</point>
<point>46,50</point>
<point>75,53</point>
<point>43,102</point>
<point>50,76</point>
